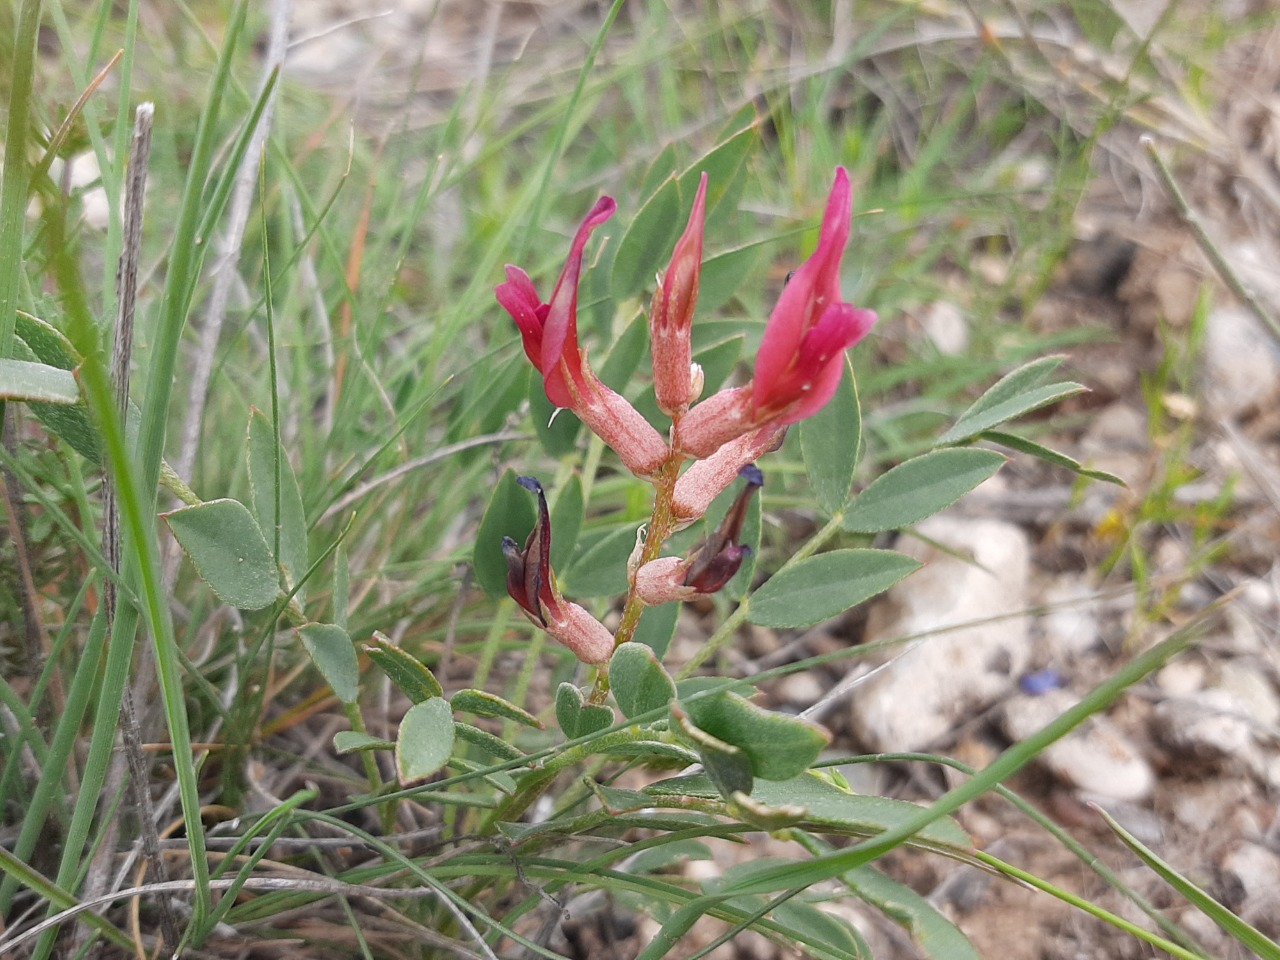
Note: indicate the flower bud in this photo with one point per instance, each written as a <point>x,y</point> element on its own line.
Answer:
<point>671,315</point>
<point>711,565</point>
<point>705,480</point>
<point>532,584</point>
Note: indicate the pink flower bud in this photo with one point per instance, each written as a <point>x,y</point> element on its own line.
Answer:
<point>662,581</point>
<point>532,584</point>
<point>711,565</point>
<point>671,316</point>
<point>614,420</point>
<point>588,638</point>
<point>722,417</point>
<point>705,480</point>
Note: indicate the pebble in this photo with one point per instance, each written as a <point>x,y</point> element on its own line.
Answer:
<point>1198,803</point>
<point>1117,441</point>
<point>1181,677</point>
<point>1206,726</point>
<point>1177,292</point>
<point>1250,876</point>
<point>934,685</point>
<point>1241,364</point>
<point>801,690</point>
<point>945,327</point>
<point>1096,758</point>
<point>1247,681</point>
<point>1071,627</point>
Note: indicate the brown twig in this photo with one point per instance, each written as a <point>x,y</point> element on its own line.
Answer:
<point>121,355</point>
<point>1192,221</point>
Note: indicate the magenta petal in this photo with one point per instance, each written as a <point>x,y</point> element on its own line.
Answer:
<point>812,288</point>
<point>671,316</point>
<point>519,298</point>
<point>820,363</point>
<point>560,329</point>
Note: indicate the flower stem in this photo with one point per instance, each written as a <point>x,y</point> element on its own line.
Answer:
<point>661,525</point>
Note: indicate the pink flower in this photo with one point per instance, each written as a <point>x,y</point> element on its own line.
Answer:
<point>532,584</point>
<point>801,356</point>
<point>671,316</point>
<point>711,565</point>
<point>550,335</point>
<point>705,480</point>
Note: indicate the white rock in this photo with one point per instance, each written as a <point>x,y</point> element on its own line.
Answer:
<point>1118,427</point>
<point>1253,866</point>
<point>1208,725</point>
<point>939,681</point>
<point>1117,440</point>
<point>945,326</point>
<point>1247,682</point>
<point>82,175</point>
<point>801,690</point>
<point>1181,678</point>
<point>1259,596</point>
<point>1096,758</point>
<point>1071,627</point>
<point>1198,803</point>
<point>1241,363</point>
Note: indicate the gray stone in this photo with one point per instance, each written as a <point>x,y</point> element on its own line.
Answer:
<point>941,680</point>
<point>1207,725</point>
<point>1182,677</point>
<point>945,327</point>
<point>1070,628</point>
<point>1250,875</point>
<point>1247,681</point>
<point>1241,363</point>
<point>1097,758</point>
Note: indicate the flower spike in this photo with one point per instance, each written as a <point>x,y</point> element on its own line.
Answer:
<point>532,584</point>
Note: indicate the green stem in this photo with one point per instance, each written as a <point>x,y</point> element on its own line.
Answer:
<point>13,188</point>
<point>535,782</point>
<point>661,525</point>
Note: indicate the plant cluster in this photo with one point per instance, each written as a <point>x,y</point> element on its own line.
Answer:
<point>466,804</point>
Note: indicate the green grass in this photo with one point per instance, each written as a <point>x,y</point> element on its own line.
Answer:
<point>363,325</point>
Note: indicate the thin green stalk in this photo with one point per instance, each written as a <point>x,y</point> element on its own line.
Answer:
<point>55,801</point>
<point>19,871</point>
<point>1005,766</point>
<point>1081,853</point>
<point>13,185</point>
<point>1210,249</point>
<point>273,373</point>
<point>492,642</point>
<point>141,562</point>
<point>1080,903</point>
<point>557,146</point>
<point>535,783</point>
<point>277,820</point>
